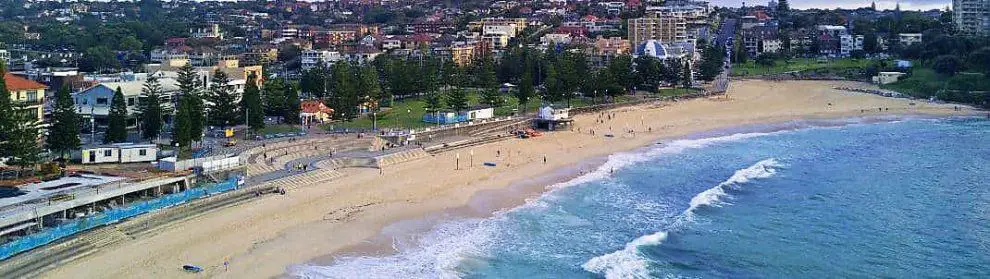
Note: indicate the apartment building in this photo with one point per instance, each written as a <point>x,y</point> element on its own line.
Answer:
<point>665,29</point>
<point>971,17</point>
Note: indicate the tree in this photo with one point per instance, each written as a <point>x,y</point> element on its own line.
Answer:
<point>555,88</point>
<point>19,139</point>
<point>151,108</point>
<point>222,106</point>
<point>687,80</point>
<point>457,99</point>
<point>182,123</point>
<point>292,105</point>
<point>6,114</point>
<point>64,132</point>
<point>314,81</point>
<point>980,59</point>
<point>251,102</point>
<point>870,43</point>
<point>343,96</point>
<point>273,98</point>
<point>621,69</point>
<point>648,70</point>
<point>947,64</point>
<point>433,102</point>
<point>371,85</point>
<point>712,60</point>
<point>191,92</point>
<point>22,144</point>
<point>526,90</point>
<point>673,71</point>
<point>116,119</point>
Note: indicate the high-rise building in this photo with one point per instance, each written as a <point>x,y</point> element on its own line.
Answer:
<point>971,17</point>
<point>665,29</point>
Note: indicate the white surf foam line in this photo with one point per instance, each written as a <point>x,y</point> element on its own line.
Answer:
<point>438,253</point>
<point>630,263</point>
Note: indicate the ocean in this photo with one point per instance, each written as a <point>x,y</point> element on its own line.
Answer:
<point>906,198</point>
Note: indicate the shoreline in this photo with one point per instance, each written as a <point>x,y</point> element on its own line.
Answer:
<point>489,203</point>
<point>313,223</point>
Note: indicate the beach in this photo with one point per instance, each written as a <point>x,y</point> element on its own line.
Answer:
<point>261,238</point>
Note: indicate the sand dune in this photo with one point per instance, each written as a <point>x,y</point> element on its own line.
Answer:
<point>261,238</point>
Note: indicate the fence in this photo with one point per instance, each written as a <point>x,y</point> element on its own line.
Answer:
<point>110,216</point>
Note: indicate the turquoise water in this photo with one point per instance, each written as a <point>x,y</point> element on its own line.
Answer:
<point>900,199</point>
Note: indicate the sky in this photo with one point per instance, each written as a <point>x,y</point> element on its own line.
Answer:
<point>848,4</point>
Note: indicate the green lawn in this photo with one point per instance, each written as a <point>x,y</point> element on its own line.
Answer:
<point>924,82</point>
<point>408,113</point>
<point>279,128</point>
<point>750,68</point>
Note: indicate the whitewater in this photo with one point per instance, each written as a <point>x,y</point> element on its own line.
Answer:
<point>784,204</point>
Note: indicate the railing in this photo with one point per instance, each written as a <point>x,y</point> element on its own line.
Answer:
<point>110,216</point>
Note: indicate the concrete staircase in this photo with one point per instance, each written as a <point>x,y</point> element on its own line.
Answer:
<point>401,157</point>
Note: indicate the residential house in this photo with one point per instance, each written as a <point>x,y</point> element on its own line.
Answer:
<point>27,92</point>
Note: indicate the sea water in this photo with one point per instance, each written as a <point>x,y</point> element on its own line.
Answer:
<point>899,199</point>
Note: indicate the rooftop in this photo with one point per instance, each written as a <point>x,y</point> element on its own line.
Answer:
<point>17,83</point>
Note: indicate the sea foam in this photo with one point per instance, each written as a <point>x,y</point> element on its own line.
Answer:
<point>629,263</point>
<point>438,253</point>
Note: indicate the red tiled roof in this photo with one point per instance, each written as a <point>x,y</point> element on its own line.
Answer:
<point>16,83</point>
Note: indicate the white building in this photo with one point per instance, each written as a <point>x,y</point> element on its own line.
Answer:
<point>211,31</point>
<point>555,39</point>
<point>120,153</point>
<point>4,55</point>
<point>849,43</point>
<point>907,39</point>
<point>312,58</point>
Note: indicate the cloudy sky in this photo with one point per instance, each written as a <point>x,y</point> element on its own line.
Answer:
<point>830,4</point>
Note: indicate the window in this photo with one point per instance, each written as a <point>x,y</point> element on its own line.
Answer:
<point>85,101</point>
<point>107,153</point>
<point>130,101</point>
<point>143,152</point>
<point>101,101</point>
<point>32,95</point>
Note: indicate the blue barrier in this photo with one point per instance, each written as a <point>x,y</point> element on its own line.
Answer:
<point>110,216</point>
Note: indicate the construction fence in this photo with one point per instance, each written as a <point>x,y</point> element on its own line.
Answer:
<point>110,216</point>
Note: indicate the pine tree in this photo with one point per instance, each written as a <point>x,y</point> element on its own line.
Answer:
<point>151,108</point>
<point>686,78</point>
<point>433,102</point>
<point>371,86</point>
<point>251,103</point>
<point>116,119</point>
<point>526,90</point>
<point>344,98</point>
<point>182,125</point>
<point>457,99</point>
<point>64,131</point>
<point>273,99</point>
<point>489,83</point>
<point>555,85</point>
<point>23,141</point>
<point>222,106</point>
<point>6,117</point>
<point>292,104</point>
<point>191,91</point>
<point>19,126</point>
<point>621,68</point>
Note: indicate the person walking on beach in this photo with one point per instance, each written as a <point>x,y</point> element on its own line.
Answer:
<point>544,159</point>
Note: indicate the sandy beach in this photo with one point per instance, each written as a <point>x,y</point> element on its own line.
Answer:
<point>261,238</point>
